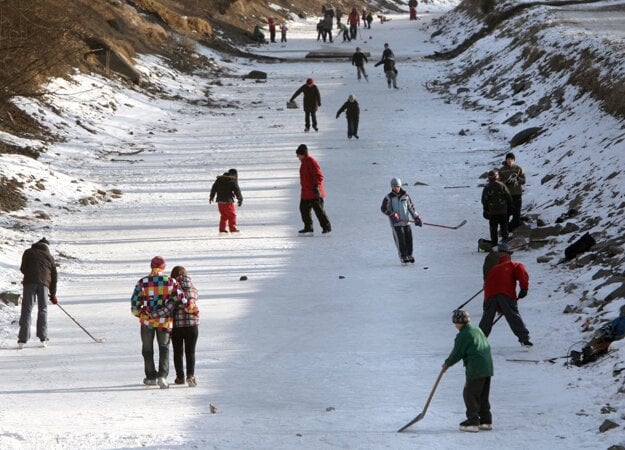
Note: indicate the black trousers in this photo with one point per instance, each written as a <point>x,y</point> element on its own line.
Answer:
<point>517,202</point>
<point>183,340</point>
<point>316,205</point>
<point>495,222</point>
<point>403,240</point>
<point>310,115</point>
<point>475,394</point>
<point>510,310</point>
<point>352,126</point>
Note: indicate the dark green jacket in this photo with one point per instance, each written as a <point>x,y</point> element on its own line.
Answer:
<point>513,177</point>
<point>473,348</point>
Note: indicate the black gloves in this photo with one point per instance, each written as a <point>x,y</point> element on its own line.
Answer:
<point>418,222</point>
<point>522,293</point>
<point>485,215</point>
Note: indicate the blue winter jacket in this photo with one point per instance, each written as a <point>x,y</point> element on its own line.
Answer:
<point>399,203</point>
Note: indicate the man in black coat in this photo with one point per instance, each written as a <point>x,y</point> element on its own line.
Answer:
<point>39,282</point>
<point>352,112</point>
<point>359,59</point>
<point>497,202</point>
<point>312,101</point>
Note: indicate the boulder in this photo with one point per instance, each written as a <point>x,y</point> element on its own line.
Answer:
<point>525,136</point>
<point>256,75</point>
<point>607,425</point>
<point>10,298</point>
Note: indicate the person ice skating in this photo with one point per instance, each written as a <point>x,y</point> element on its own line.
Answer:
<point>352,113</point>
<point>312,193</point>
<point>369,20</point>
<point>500,295</point>
<point>359,59</point>
<point>472,347</point>
<point>492,257</point>
<point>399,208</point>
<point>312,101</point>
<point>387,52</point>
<point>364,18</point>
<point>272,28</point>
<point>513,177</point>
<point>601,340</point>
<point>184,333</point>
<point>343,29</point>
<point>496,202</point>
<point>151,294</point>
<point>283,29</point>
<point>412,4</point>
<point>258,35</point>
<point>353,20</point>
<point>389,70</point>
<point>226,190</point>
<point>39,285</point>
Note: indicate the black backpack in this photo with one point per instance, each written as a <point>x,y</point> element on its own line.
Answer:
<point>496,201</point>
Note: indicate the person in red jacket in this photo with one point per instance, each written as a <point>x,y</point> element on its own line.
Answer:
<point>500,295</point>
<point>313,192</point>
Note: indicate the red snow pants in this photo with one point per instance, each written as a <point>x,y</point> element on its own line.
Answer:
<point>228,216</point>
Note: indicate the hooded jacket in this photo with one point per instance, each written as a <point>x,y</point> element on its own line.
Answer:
<point>226,188</point>
<point>38,267</point>
<point>312,97</point>
<point>503,277</point>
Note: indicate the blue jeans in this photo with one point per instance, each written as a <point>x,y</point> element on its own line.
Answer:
<point>34,293</point>
<point>147,350</point>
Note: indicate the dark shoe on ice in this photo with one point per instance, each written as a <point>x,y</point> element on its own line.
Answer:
<point>236,230</point>
<point>179,380</point>
<point>469,426</point>
<point>326,231</point>
<point>305,231</point>
<point>410,259</point>
<point>149,382</point>
<point>306,130</point>
<point>356,136</point>
<point>527,344</point>
<point>223,232</point>
<point>315,128</point>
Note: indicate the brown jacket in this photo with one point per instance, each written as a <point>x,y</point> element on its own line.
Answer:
<point>38,267</point>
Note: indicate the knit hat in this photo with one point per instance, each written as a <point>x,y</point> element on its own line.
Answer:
<point>395,182</point>
<point>510,156</point>
<point>158,262</point>
<point>309,82</point>
<point>233,172</point>
<point>460,316</point>
<point>302,150</point>
<point>492,175</point>
<point>503,247</point>
<point>43,241</point>
<point>351,98</point>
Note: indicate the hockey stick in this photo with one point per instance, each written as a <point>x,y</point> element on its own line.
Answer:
<point>443,226</point>
<point>99,341</point>
<point>537,361</point>
<point>472,297</point>
<point>422,415</point>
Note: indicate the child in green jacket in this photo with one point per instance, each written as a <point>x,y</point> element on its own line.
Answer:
<point>473,348</point>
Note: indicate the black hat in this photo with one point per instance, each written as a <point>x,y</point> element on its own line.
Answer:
<point>510,156</point>
<point>233,172</point>
<point>460,316</point>
<point>43,241</point>
<point>302,150</point>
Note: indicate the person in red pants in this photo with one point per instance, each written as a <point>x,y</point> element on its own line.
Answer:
<point>226,190</point>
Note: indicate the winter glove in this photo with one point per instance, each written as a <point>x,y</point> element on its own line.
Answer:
<point>210,200</point>
<point>418,222</point>
<point>337,116</point>
<point>54,300</point>
<point>522,293</point>
<point>395,217</point>
<point>445,367</point>
<point>317,191</point>
<point>485,215</point>
<point>240,202</point>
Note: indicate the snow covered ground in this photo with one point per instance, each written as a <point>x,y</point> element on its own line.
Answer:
<point>330,343</point>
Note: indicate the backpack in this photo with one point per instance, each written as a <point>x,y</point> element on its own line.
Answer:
<point>496,201</point>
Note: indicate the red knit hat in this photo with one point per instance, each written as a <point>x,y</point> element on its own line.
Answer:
<point>158,262</point>
<point>309,81</point>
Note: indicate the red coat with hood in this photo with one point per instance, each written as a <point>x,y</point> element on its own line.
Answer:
<point>310,177</point>
<point>503,277</point>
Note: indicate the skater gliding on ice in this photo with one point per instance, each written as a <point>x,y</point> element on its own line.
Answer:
<point>39,285</point>
<point>398,206</point>
<point>473,348</point>
<point>389,68</point>
<point>352,113</point>
<point>359,59</point>
<point>313,192</point>
<point>226,188</point>
<point>312,101</point>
